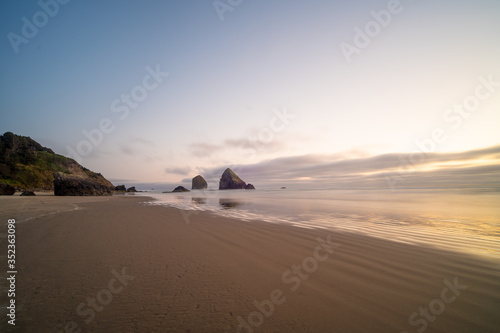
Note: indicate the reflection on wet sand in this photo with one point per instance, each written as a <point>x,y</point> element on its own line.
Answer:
<point>462,220</point>
<point>228,203</point>
<point>199,200</point>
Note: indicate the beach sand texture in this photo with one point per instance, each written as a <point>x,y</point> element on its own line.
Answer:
<point>156,269</point>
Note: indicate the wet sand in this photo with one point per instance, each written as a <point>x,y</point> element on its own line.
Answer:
<point>112,264</point>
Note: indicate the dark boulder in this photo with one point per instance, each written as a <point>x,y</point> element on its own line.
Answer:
<point>6,189</point>
<point>180,189</point>
<point>75,185</point>
<point>199,183</point>
<point>120,188</point>
<point>230,181</point>
<point>28,194</point>
<point>249,187</point>
<point>131,189</point>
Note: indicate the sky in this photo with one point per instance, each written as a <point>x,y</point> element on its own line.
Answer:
<point>287,92</point>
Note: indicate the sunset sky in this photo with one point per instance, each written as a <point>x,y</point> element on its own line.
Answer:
<point>159,91</point>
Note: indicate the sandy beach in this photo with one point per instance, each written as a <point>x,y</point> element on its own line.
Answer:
<point>113,264</point>
<point>235,166</point>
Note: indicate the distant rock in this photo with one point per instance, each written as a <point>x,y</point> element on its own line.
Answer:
<point>131,189</point>
<point>249,187</point>
<point>180,189</point>
<point>120,188</point>
<point>76,185</point>
<point>28,194</point>
<point>6,189</point>
<point>199,183</point>
<point>230,181</point>
<point>283,188</point>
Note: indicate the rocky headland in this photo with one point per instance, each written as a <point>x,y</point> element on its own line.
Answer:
<point>27,165</point>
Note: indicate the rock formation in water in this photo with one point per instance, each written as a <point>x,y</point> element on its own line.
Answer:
<point>180,189</point>
<point>249,187</point>
<point>76,185</point>
<point>230,181</point>
<point>120,188</point>
<point>199,183</point>
<point>131,189</point>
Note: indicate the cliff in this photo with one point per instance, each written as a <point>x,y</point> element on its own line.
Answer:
<point>25,164</point>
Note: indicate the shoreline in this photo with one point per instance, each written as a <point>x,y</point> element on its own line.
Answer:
<point>460,232</point>
<point>208,273</point>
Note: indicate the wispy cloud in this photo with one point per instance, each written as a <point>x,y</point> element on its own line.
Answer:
<point>183,171</point>
<point>237,147</point>
<point>204,149</point>
<point>135,146</point>
<point>143,141</point>
<point>471,168</point>
<point>127,149</point>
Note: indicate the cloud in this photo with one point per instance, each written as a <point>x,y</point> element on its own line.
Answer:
<point>179,170</point>
<point>479,167</point>
<point>240,147</point>
<point>135,146</point>
<point>142,141</point>
<point>204,149</point>
<point>127,149</point>
<point>255,143</point>
<point>236,143</point>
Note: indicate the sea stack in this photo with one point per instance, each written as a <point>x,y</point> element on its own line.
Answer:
<point>199,183</point>
<point>230,181</point>
<point>180,189</point>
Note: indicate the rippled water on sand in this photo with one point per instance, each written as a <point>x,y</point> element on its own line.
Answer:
<point>460,219</point>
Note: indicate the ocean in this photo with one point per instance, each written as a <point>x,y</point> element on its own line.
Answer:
<point>465,220</point>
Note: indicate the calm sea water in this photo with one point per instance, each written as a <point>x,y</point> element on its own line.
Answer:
<point>459,219</point>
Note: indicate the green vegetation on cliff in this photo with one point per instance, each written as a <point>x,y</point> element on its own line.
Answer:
<point>25,164</point>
